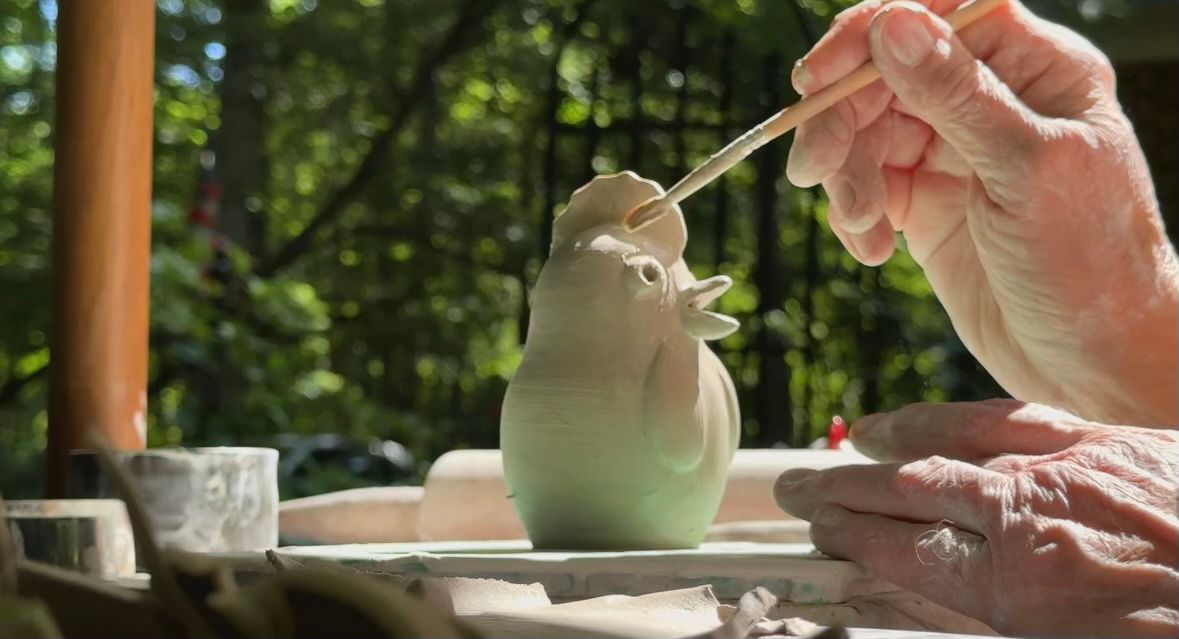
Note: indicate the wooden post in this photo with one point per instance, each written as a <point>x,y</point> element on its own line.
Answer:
<point>102,227</point>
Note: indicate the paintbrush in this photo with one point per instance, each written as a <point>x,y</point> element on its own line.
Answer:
<point>781,122</point>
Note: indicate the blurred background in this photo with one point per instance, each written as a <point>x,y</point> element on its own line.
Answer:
<point>353,197</point>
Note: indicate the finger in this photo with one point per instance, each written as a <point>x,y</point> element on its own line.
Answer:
<point>858,196</point>
<point>843,236</point>
<point>943,84</point>
<point>930,214</point>
<point>877,245</point>
<point>844,48</point>
<point>857,189</point>
<point>1009,464</point>
<point>1056,71</point>
<point>908,139</point>
<point>841,50</point>
<point>821,145</point>
<point>898,184</point>
<point>968,430</point>
<point>948,566</point>
<point>870,249</point>
<point>925,490</point>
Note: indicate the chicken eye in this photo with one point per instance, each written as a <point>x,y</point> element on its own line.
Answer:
<point>644,276</point>
<point>649,273</point>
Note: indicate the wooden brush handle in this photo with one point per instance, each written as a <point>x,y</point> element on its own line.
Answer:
<point>780,123</point>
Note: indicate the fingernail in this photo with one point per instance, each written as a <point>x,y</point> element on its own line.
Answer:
<point>801,77</point>
<point>845,198</point>
<point>860,243</point>
<point>869,433</point>
<point>793,478</point>
<point>838,127</point>
<point>810,156</point>
<point>870,247</point>
<point>826,515</point>
<point>798,166</point>
<point>907,36</point>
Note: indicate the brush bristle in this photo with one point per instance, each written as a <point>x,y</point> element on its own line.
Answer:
<point>645,213</point>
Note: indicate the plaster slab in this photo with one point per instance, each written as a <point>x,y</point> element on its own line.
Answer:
<point>793,572</point>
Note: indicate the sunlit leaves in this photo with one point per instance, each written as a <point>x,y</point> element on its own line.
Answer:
<point>403,319</point>
<point>317,383</point>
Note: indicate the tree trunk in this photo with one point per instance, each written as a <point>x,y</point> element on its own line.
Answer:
<point>772,397</point>
<point>682,62</point>
<point>527,200</point>
<point>869,337</point>
<point>552,104</point>
<point>812,274</point>
<point>240,143</point>
<point>720,231</point>
<point>813,270</point>
<point>549,170</point>
<point>592,134</point>
<point>634,67</point>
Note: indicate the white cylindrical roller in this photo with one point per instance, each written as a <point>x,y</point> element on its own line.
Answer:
<point>466,499</point>
<point>749,493</point>
<point>358,516</point>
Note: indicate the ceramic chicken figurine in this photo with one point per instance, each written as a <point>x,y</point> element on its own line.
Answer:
<point>619,425</point>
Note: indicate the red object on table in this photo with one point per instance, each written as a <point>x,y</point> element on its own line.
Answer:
<point>836,433</point>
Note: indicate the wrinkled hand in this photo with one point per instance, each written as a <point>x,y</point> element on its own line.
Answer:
<point>1027,518</point>
<point>1003,157</point>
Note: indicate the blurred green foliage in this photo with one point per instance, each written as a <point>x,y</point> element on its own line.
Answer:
<point>395,172</point>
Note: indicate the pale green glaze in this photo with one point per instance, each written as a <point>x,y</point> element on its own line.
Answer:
<point>619,426</point>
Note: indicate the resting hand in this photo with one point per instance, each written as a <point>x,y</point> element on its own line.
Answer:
<point>1003,157</point>
<point>1027,518</point>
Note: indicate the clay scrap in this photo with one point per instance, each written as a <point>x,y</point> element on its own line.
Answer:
<point>473,596</point>
<point>523,608</point>
<point>666,615</point>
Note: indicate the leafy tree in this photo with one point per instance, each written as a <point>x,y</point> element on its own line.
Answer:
<point>390,170</point>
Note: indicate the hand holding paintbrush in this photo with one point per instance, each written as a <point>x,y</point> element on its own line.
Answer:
<point>781,122</point>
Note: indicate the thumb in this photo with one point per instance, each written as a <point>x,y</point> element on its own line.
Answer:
<point>966,431</point>
<point>939,81</point>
